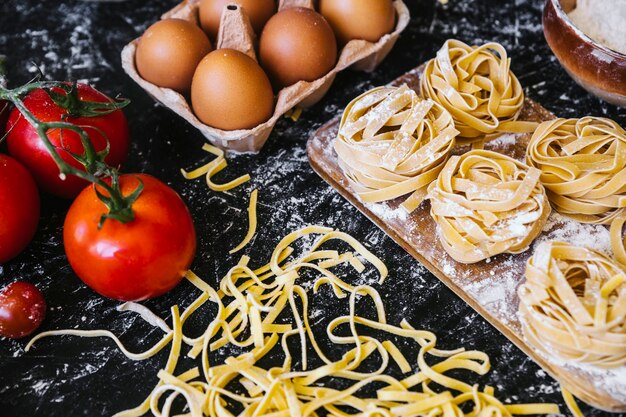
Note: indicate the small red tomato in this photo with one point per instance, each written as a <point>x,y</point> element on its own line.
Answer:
<point>22,309</point>
<point>134,261</point>
<point>27,147</point>
<point>19,208</point>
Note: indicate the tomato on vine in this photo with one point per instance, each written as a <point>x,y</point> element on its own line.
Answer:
<point>129,237</point>
<point>4,116</point>
<point>79,105</point>
<point>19,208</point>
<point>5,108</point>
<point>143,258</point>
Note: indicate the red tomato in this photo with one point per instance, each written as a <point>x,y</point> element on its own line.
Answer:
<point>4,116</point>
<point>19,208</point>
<point>26,146</point>
<point>22,309</point>
<point>141,259</point>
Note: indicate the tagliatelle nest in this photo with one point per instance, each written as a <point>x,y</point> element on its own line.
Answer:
<point>486,203</point>
<point>392,143</point>
<point>475,84</point>
<point>573,304</point>
<point>583,164</point>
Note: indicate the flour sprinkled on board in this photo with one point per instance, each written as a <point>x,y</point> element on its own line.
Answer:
<point>508,139</point>
<point>561,228</point>
<point>386,212</point>
<point>497,292</point>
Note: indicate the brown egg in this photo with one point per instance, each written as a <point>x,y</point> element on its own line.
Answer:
<point>230,91</point>
<point>359,19</point>
<point>169,52</point>
<point>297,44</point>
<point>258,11</point>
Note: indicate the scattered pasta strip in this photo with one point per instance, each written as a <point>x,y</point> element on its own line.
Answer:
<point>294,114</point>
<point>583,167</point>
<point>213,168</point>
<point>486,203</point>
<point>252,221</point>
<point>147,315</point>
<point>618,241</point>
<point>475,84</point>
<point>573,304</point>
<point>391,143</point>
<point>570,401</point>
<point>263,309</point>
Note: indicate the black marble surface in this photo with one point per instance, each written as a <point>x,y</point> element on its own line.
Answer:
<point>70,39</point>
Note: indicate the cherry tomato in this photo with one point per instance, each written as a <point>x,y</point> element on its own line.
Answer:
<point>22,309</point>
<point>19,208</point>
<point>27,147</point>
<point>134,261</point>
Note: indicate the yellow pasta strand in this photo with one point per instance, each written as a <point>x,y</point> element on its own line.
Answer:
<point>213,168</point>
<point>583,167</point>
<point>570,401</point>
<point>475,84</point>
<point>391,143</point>
<point>573,305</point>
<point>486,203</point>
<point>252,222</point>
<point>251,305</point>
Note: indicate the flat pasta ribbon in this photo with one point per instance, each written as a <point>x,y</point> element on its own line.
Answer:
<point>259,311</point>
<point>486,203</point>
<point>573,304</point>
<point>583,167</point>
<point>392,143</point>
<point>475,84</point>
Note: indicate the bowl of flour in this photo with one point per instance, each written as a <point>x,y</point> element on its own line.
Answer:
<point>588,37</point>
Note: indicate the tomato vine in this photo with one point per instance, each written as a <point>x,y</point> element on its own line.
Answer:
<point>96,170</point>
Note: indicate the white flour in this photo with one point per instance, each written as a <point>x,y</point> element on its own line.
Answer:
<point>607,380</point>
<point>603,21</point>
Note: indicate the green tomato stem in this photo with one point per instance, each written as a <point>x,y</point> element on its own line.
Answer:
<point>119,207</point>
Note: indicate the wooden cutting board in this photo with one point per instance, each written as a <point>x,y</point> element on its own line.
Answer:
<point>490,287</point>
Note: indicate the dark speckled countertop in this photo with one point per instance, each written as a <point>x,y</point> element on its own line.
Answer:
<point>82,40</point>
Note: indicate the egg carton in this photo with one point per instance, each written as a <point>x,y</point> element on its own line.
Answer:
<point>236,33</point>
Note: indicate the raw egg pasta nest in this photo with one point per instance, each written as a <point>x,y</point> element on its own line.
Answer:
<point>392,143</point>
<point>583,165</point>
<point>486,203</point>
<point>573,304</point>
<point>475,84</point>
<point>261,310</point>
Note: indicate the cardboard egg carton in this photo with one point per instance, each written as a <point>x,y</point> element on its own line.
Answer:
<point>236,33</point>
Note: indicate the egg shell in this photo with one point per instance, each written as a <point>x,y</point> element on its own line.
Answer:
<point>297,44</point>
<point>258,11</point>
<point>360,55</point>
<point>230,91</point>
<point>169,52</point>
<point>368,20</point>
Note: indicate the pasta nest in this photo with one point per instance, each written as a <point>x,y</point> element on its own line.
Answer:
<point>392,143</point>
<point>583,167</point>
<point>573,304</point>
<point>486,203</point>
<point>475,84</point>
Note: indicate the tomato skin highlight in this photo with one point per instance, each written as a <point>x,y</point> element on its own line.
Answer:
<point>27,147</point>
<point>138,260</point>
<point>22,309</point>
<point>19,208</point>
